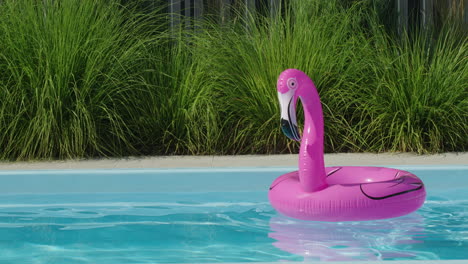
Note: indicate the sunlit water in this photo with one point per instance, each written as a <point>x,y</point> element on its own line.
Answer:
<point>216,227</point>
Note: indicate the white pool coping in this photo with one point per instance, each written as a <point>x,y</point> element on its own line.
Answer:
<point>341,159</point>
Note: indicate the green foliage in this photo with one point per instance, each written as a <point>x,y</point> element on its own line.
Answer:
<point>379,92</point>
<point>418,98</point>
<point>181,117</point>
<point>68,77</point>
<point>85,78</point>
<point>317,37</point>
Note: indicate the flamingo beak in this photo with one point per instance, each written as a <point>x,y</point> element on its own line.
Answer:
<point>288,115</point>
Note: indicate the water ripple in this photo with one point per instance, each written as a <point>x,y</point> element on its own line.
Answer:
<point>216,227</point>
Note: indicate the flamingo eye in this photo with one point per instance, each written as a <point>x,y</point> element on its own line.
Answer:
<point>292,83</point>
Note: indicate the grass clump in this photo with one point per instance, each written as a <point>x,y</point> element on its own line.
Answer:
<point>418,98</point>
<point>69,74</point>
<point>181,116</point>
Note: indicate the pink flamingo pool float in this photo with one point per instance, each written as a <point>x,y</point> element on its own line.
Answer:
<point>333,193</point>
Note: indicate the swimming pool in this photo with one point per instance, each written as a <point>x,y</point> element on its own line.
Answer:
<point>210,215</point>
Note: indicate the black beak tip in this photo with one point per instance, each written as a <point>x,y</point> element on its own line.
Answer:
<point>290,130</point>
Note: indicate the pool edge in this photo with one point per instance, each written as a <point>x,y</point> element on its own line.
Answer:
<point>288,160</point>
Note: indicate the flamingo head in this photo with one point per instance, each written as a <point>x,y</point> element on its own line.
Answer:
<point>290,84</point>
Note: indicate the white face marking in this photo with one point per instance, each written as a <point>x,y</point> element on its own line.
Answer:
<point>287,112</point>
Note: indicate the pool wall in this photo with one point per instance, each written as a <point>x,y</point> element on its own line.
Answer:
<point>182,179</point>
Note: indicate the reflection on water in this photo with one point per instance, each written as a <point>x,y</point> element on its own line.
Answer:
<point>390,239</point>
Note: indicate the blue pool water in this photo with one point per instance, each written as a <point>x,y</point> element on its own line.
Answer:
<point>219,215</point>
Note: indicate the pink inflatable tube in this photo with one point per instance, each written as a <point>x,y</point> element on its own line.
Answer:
<point>335,193</point>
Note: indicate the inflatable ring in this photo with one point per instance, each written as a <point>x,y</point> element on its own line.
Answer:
<point>333,193</point>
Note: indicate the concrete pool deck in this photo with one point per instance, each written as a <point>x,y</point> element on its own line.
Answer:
<point>342,159</point>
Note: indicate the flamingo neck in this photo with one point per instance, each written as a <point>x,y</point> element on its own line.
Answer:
<point>311,164</point>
